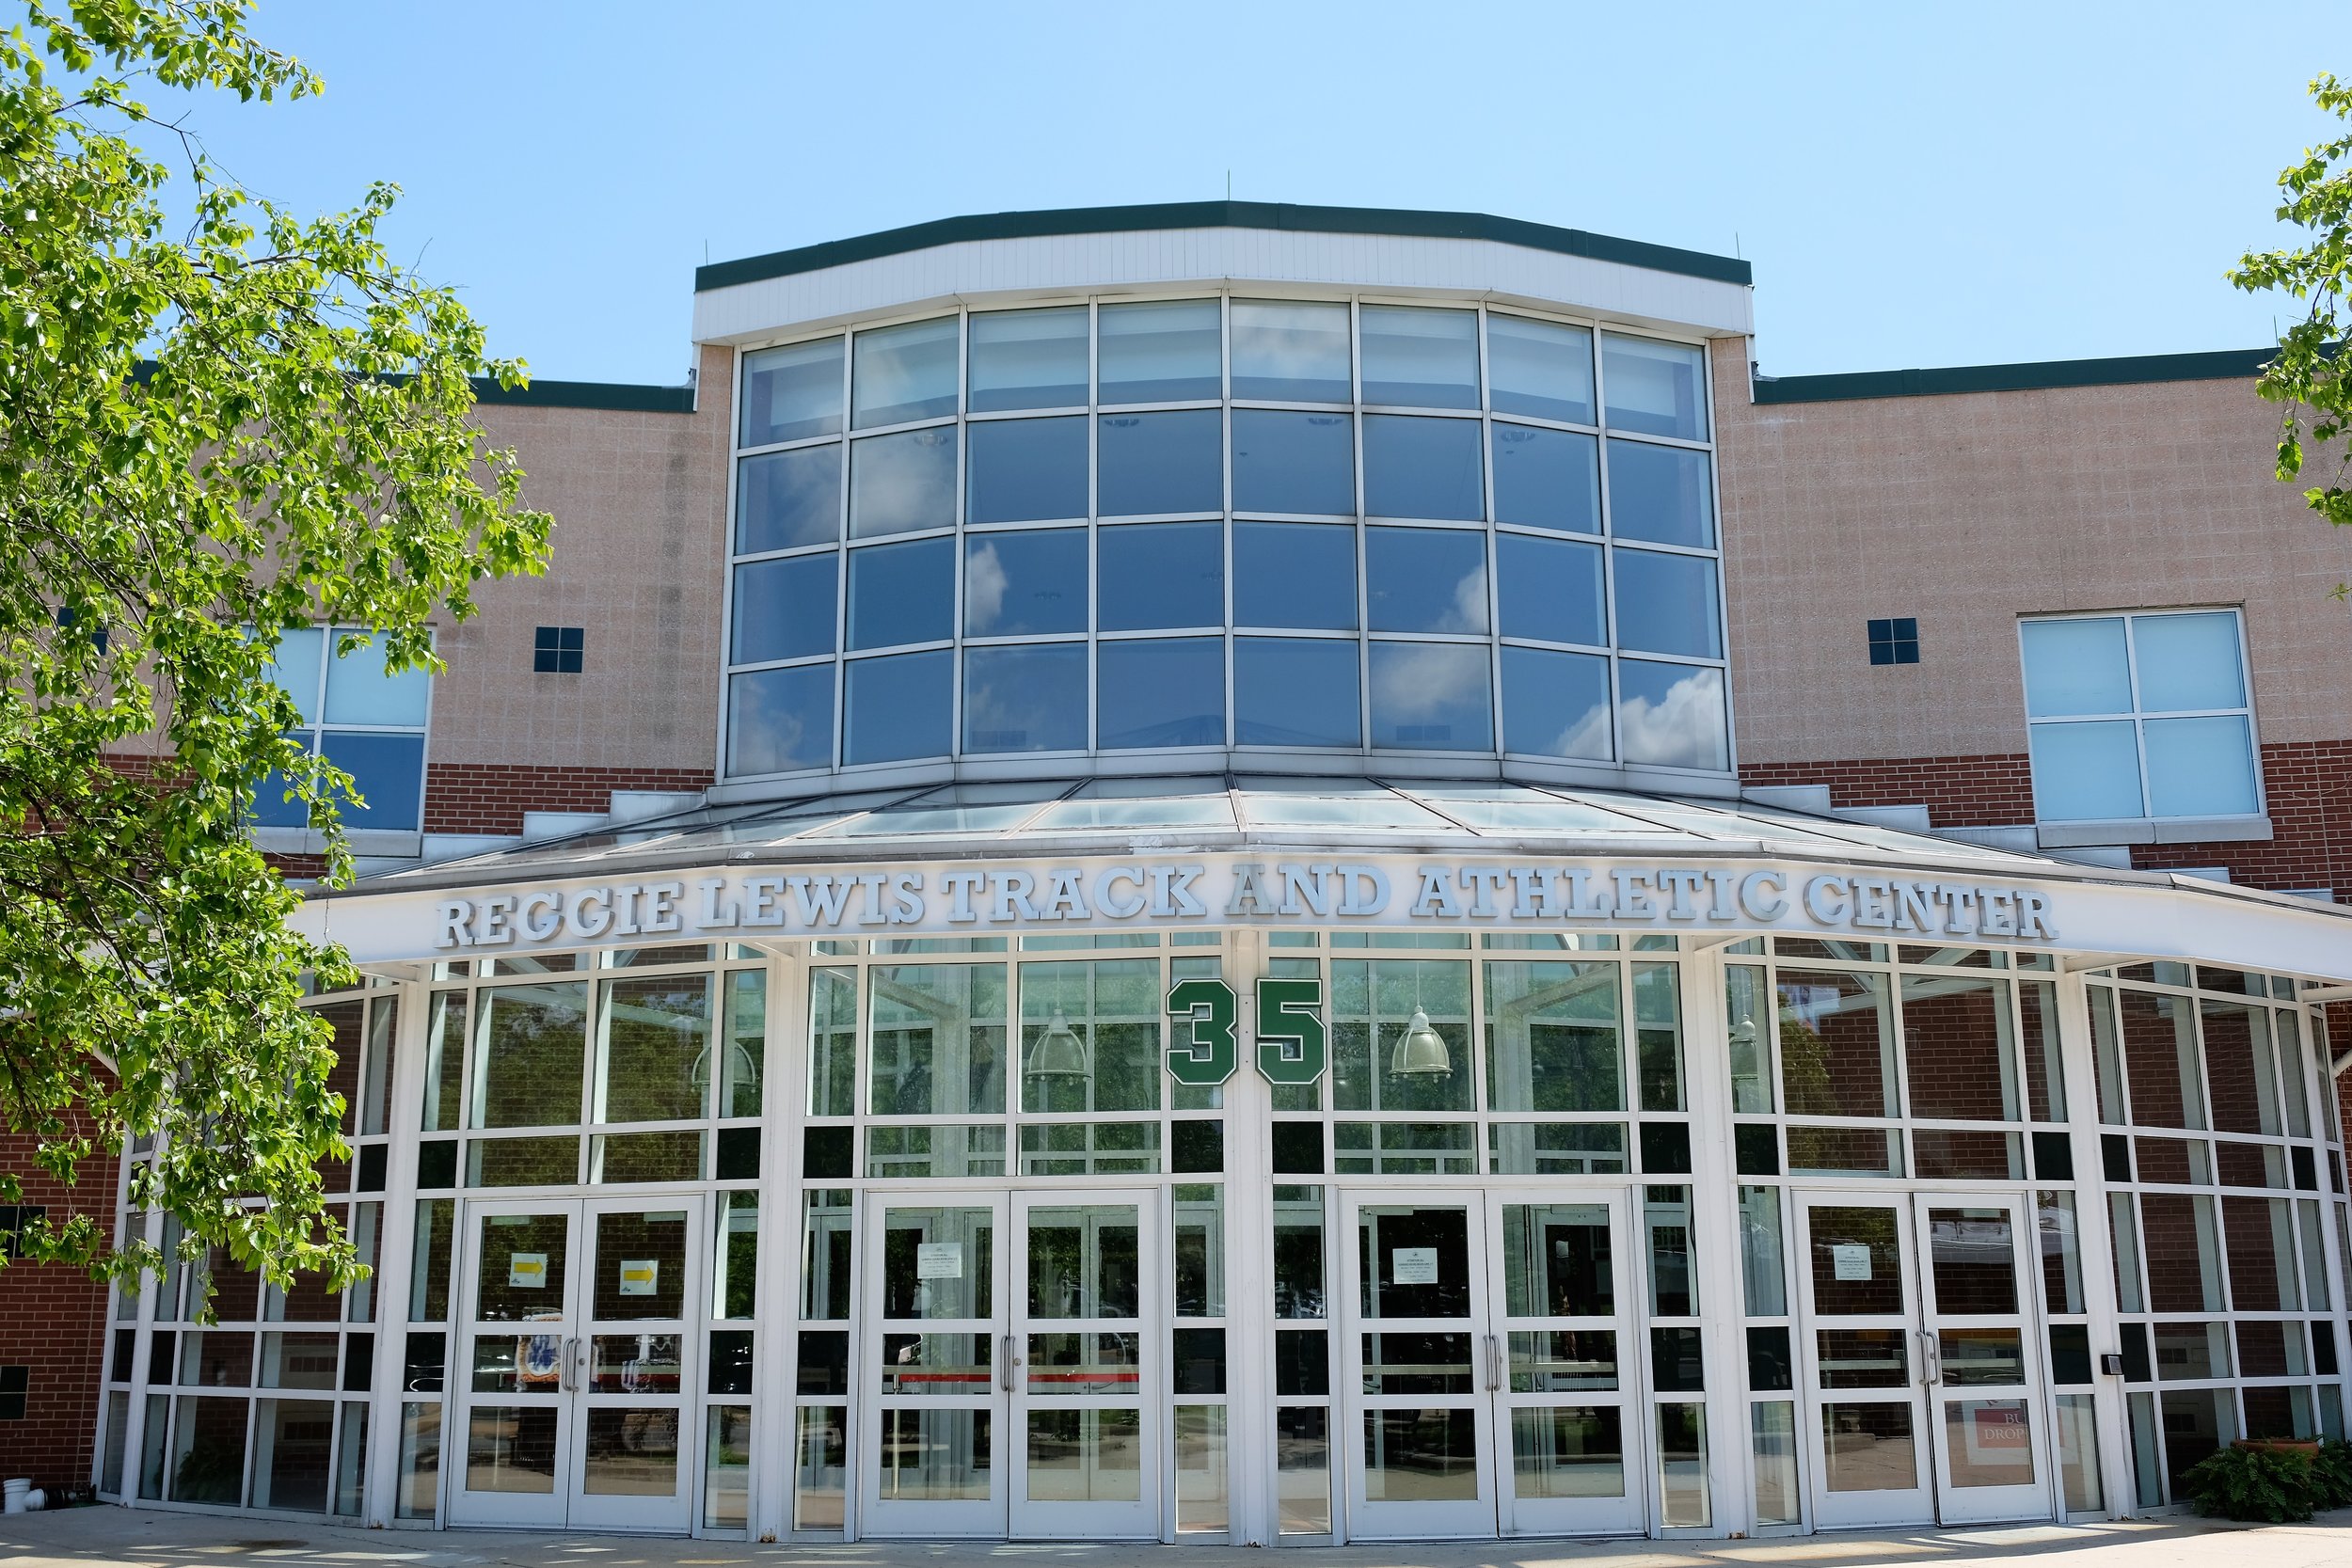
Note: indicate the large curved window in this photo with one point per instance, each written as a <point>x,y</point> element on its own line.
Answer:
<point>1229,524</point>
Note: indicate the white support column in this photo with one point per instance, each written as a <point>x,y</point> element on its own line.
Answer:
<point>2094,1245</point>
<point>784,1101</point>
<point>1715,1245</point>
<point>1252,1497</point>
<point>395,1261</point>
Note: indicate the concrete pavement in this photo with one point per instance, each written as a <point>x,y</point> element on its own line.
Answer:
<point>110,1537</point>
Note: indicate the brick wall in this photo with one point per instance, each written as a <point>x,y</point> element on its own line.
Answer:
<point>1979,791</point>
<point>2307,785</point>
<point>54,1321</point>
<point>491,797</point>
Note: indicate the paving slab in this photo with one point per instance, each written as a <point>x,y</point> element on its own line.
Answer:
<point>110,1537</point>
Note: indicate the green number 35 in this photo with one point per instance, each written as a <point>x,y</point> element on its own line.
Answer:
<point>1291,1047</point>
<point>1205,1052</point>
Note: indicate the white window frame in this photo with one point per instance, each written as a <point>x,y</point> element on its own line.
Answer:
<point>2149,828</point>
<point>364,841</point>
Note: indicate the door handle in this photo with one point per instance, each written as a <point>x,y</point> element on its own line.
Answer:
<point>1004,1369</point>
<point>571,1364</point>
<point>1494,1364</point>
<point>1931,1357</point>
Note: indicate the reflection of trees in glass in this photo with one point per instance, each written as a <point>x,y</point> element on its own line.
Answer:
<point>533,1050</point>
<point>656,1037</point>
<point>1804,1070</point>
<point>1372,1000</point>
<point>1113,1007</point>
<point>938,1039</point>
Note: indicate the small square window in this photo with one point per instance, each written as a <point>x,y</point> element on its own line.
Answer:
<point>556,650</point>
<point>14,1382</point>
<point>1895,640</point>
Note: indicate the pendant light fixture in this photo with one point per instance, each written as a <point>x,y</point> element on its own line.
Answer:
<point>1421,1052</point>
<point>1059,1052</point>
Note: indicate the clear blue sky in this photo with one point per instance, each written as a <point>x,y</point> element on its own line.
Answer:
<point>1914,185</point>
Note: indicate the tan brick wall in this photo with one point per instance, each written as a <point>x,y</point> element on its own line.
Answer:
<point>1969,511</point>
<point>639,554</point>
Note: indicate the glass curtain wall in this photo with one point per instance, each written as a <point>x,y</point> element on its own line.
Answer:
<point>1319,525</point>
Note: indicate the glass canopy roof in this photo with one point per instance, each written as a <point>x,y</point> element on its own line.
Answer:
<point>1210,810</point>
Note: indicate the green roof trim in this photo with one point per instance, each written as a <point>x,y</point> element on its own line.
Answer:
<point>2229,364</point>
<point>611,396</point>
<point>1223,214</point>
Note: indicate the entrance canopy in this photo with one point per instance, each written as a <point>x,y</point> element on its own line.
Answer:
<point>1270,851</point>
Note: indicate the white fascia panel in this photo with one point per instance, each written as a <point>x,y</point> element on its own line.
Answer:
<point>982,271</point>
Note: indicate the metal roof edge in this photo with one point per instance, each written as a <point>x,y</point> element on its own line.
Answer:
<point>2231,364</point>
<point>1400,222</point>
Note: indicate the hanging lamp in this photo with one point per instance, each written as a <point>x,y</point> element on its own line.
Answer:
<point>1059,1052</point>
<point>1421,1052</point>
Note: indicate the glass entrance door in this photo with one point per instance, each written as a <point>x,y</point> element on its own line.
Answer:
<point>1569,1432</point>
<point>935,1396</point>
<point>1420,1367</point>
<point>576,1365</point>
<point>1922,1384</point>
<point>1984,1359</point>
<point>1019,1389</point>
<point>1086,1406</point>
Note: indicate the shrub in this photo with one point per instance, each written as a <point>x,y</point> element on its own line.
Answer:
<point>2259,1486</point>
<point>2331,1475</point>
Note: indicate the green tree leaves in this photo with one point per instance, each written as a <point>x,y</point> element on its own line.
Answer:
<point>2307,375</point>
<point>208,437</point>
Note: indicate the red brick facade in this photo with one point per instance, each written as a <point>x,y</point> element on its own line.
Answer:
<point>1959,792</point>
<point>491,797</point>
<point>2308,783</point>
<point>54,1322</point>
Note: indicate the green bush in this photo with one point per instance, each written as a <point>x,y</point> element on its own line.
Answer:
<point>2258,1485</point>
<point>2331,1475</point>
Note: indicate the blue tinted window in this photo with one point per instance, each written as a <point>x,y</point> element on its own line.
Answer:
<point>2084,773</point>
<point>1421,468</point>
<point>1539,367</point>
<point>902,593</point>
<point>1292,462</point>
<point>1655,389</point>
<point>1419,359</point>
<point>1288,351</point>
<point>271,809</point>
<point>1159,351</point>
<point>1672,715</point>
<point>788,498</point>
<point>2077,665</point>
<point>785,609</point>
<point>1153,575</point>
<point>1659,494</point>
<point>388,771</point>
<point>1549,589</point>
<point>1294,691</point>
<point>1028,359</point>
<point>1666,603</point>
<point>905,372</point>
<point>792,392</point>
<point>1426,579</point>
<point>780,721</point>
<point>1161,693</point>
<point>1431,697</point>
<point>898,707</point>
<point>1020,699</point>
<point>1156,463</point>
<point>1295,574</point>
<point>1024,584</point>
<point>1555,704</point>
<point>902,484</point>
<point>1024,470</point>
<point>1547,478</point>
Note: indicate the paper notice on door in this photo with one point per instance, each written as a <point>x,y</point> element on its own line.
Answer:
<point>1998,1432</point>
<point>527,1271</point>
<point>639,1274</point>
<point>539,1360</point>
<point>1852,1260</point>
<point>1413,1265</point>
<point>939,1259</point>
